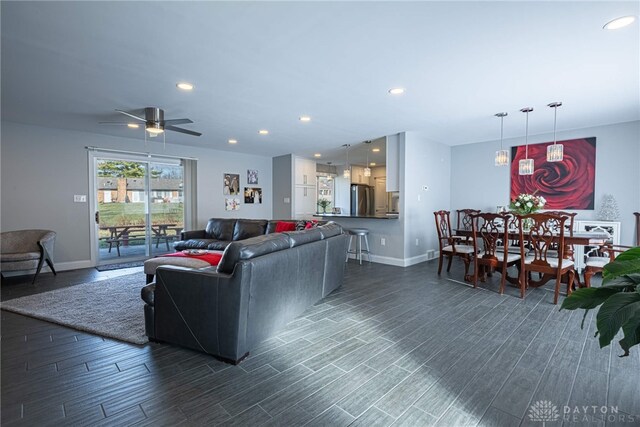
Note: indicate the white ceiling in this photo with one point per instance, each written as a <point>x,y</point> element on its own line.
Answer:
<point>263,64</point>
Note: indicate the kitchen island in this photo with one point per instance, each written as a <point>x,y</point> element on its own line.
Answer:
<point>331,216</point>
<point>385,234</point>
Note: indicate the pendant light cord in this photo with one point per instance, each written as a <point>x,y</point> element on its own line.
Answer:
<point>526,138</point>
<point>501,130</point>
<point>555,121</point>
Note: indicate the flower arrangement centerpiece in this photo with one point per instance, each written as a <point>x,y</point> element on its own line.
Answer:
<point>526,204</point>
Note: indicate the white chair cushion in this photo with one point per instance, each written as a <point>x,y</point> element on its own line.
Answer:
<point>461,249</point>
<point>553,262</point>
<point>510,257</point>
<point>597,261</point>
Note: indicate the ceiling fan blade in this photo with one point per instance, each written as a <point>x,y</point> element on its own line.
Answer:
<point>177,121</point>
<point>131,115</point>
<point>177,129</point>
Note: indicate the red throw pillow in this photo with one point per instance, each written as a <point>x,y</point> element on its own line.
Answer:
<point>285,226</point>
<point>311,224</point>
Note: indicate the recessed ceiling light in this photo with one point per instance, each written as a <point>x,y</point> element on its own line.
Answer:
<point>133,125</point>
<point>619,23</point>
<point>184,86</point>
<point>305,118</point>
<point>376,150</point>
<point>233,141</point>
<point>396,91</point>
<point>372,164</point>
<point>317,155</point>
<point>263,132</point>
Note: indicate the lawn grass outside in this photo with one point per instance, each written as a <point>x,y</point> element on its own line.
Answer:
<point>123,214</point>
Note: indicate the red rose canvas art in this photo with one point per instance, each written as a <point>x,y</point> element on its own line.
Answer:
<point>569,184</point>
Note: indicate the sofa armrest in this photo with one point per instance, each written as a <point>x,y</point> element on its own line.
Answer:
<point>203,310</point>
<point>194,234</point>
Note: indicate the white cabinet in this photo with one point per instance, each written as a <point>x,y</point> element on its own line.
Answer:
<point>305,191</point>
<point>305,201</point>
<point>583,252</point>
<point>305,172</point>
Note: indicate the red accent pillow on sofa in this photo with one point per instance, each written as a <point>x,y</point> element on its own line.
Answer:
<point>285,226</point>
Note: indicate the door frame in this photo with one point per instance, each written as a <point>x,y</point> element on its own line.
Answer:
<point>93,154</point>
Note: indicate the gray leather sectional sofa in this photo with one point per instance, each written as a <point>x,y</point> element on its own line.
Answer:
<point>260,284</point>
<point>219,232</point>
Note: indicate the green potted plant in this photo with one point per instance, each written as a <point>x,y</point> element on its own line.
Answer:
<point>324,204</point>
<point>619,297</point>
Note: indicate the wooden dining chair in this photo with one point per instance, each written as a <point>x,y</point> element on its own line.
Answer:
<point>595,264</point>
<point>547,232</point>
<point>489,237</point>
<point>568,227</point>
<point>464,222</point>
<point>450,246</point>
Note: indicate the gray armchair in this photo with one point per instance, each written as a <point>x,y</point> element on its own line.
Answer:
<point>26,250</point>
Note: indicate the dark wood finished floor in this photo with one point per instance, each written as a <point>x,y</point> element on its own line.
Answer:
<point>394,346</point>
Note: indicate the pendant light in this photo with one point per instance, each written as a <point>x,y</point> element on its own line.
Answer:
<point>502,156</point>
<point>367,169</point>
<point>555,152</point>
<point>347,168</point>
<point>525,166</point>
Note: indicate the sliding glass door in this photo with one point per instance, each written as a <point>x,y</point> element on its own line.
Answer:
<point>139,208</point>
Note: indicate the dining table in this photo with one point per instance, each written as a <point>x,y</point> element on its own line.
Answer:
<point>582,238</point>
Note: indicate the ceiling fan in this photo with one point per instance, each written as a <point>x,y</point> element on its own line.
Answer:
<point>154,121</point>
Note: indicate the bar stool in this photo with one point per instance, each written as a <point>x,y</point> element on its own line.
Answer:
<point>358,234</point>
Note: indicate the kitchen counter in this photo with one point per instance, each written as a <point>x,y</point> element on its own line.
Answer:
<point>392,216</point>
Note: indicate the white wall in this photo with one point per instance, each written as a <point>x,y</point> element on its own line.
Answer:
<point>42,168</point>
<point>477,183</point>
<point>426,163</point>
<point>282,186</point>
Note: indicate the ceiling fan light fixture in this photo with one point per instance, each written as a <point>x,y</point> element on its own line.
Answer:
<point>154,128</point>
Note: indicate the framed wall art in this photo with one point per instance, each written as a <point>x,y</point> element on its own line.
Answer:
<point>567,184</point>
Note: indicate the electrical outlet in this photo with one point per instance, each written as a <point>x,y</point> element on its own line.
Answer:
<point>79,198</point>
<point>383,241</point>
<point>417,242</point>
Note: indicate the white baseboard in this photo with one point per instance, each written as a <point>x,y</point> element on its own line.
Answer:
<point>61,266</point>
<point>398,262</point>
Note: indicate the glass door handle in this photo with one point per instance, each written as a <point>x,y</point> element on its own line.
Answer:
<point>97,216</point>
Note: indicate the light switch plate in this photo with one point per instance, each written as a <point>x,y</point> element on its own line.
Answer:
<point>287,200</point>
<point>80,198</point>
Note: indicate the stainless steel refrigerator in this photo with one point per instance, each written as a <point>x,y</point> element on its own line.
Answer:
<point>362,200</point>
